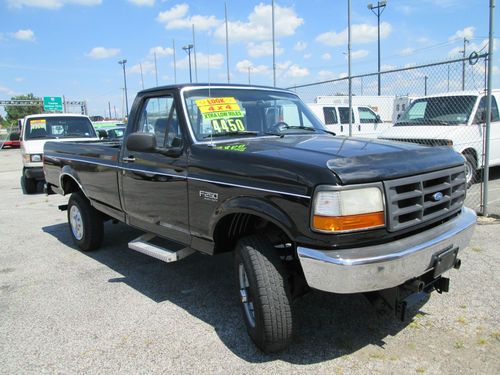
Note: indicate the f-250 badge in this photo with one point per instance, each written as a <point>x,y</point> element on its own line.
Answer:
<point>209,196</point>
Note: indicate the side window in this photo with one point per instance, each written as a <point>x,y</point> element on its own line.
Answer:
<point>344,115</point>
<point>367,116</point>
<point>482,109</point>
<point>330,115</point>
<point>159,117</point>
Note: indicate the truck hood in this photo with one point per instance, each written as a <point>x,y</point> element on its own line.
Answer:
<point>352,160</point>
<point>430,132</point>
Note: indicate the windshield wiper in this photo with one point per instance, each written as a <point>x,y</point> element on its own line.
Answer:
<point>226,134</point>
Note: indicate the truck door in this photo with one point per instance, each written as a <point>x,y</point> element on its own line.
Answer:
<point>332,121</point>
<point>154,184</point>
<point>369,124</point>
<point>344,121</point>
<point>480,119</point>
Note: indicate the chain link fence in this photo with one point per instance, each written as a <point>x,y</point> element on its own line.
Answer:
<point>441,104</point>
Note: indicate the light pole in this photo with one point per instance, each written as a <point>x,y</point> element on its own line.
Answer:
<point>188,51</point>
<point>378,10</point>
<point>425,85</point>
<point>122,63</point>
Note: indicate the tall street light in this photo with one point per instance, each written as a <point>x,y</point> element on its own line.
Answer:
<point>122,63</point>
<point>378,10</point>
<point>188,51</point>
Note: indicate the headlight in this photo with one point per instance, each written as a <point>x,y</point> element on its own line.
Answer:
<point>36,157</point>
<point>347,210</point>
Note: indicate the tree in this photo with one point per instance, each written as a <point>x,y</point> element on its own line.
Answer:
<point>15,112</point>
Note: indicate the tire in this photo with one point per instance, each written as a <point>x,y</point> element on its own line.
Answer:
<point>264,293</point>
<point>85,223</point>
<point>30,185</point>
<point>470,169</point>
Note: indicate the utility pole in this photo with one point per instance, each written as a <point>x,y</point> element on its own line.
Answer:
<point>425,85</point>
<point>274,45</point>
<point>380,7</point>
<point>142,76</point>
<point>463,63</point>
<point>122,63</point>
<point>227,43</point>
<point>249,70</point>
<point>109,107</point>
<point>188,51</point>
<point>349,63</point>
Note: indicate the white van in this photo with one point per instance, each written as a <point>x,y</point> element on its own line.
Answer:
<point>366,123</point>
<point>452,119</point>
<point>38,129</point>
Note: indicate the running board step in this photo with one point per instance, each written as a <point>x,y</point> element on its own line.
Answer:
<point>142,245</point>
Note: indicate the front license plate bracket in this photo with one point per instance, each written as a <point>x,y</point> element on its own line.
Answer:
<point>444,260</point>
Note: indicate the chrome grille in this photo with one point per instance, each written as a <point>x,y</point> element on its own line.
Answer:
<point>418,199</point>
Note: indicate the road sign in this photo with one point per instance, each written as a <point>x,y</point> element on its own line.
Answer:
<point>52,103</point>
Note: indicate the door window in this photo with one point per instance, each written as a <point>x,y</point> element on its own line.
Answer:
<point>344,115</point>
<point>367,116</point>
<point>330,115</point>
<point>482,109</point>
<point>159,117</point>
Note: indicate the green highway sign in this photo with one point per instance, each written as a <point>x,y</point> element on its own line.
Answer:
<point>52,103</point>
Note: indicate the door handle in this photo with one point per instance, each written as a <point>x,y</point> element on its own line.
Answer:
<point>129,159</point>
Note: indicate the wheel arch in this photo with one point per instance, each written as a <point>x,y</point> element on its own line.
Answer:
<point>69,182</point>
<point>246,215</point>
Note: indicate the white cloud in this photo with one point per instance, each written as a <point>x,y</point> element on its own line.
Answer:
<point>359,54</point>
<point>407,51</point>
<point>103,53</point>
<point>467,33</point>
<point>176,18</point>
<point>26,35</point>
<point>386,67</point>
<point>296,71</point>
<point>50,4</point>
<point>360,33</point>
<point>19,79</point>
<point>343,75</point>
<point>203,61</point>
<point>307,56</point>
<point>160,51</point>
<point>147,3</point>
<point>243,65</point>
<point>258,26</point>
<point>6,90</point>
<point>263,49</point>
<point>299,46</point>
<point>326,56</point>
<point>148,67</point>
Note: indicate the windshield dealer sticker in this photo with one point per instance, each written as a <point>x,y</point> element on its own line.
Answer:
<point>38,124</point>
<point>219,108</point>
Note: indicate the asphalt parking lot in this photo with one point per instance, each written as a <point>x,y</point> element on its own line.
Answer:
<point>115,310</point>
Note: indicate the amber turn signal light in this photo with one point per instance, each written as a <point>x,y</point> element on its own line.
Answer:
<point>349,222</point>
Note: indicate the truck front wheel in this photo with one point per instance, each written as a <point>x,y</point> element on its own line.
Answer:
<point>264,293</point>
<point>29,185</point>
<point>85,223</point>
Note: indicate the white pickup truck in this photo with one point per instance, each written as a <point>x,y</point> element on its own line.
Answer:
<point>452,119</point>
<point>40,128</point>
<point>365,122</point>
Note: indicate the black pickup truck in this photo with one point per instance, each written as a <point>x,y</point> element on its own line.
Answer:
<point>220,168</point>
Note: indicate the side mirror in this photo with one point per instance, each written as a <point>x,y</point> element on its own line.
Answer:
<point>399,115</point>
<point>102,134</point>
<point>141,142</point>
<point>377,118</point>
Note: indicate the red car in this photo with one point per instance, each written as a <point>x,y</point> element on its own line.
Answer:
<point>12,139</point>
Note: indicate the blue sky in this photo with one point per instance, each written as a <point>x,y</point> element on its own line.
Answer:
<point>71,47</point>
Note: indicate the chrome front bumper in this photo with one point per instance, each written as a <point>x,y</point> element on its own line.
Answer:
<point>384,266</point>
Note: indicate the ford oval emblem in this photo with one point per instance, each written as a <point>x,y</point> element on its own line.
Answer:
<point>436,197</point>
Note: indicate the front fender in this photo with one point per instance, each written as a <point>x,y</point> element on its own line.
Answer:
<point>254,206</point>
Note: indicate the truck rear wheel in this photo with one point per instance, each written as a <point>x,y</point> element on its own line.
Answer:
<point>264,293</point>
<point>85,223</point>
<point>29,185</point>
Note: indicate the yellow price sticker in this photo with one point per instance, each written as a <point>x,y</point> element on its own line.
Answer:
<point>38,124</point>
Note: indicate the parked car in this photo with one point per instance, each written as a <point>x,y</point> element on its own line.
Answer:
<point>365,122</point>
<point>38,129</point>
<point>220,168</point>
<point>12,139</point>
<point>111,134</point>
<point>452,119</point>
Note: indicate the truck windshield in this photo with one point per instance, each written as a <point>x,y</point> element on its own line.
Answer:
<point>234,112</point>
<point>443,110</point>
<point>51,127</point>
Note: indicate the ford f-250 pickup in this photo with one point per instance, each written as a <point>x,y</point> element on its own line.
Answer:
<point>219,168</point>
